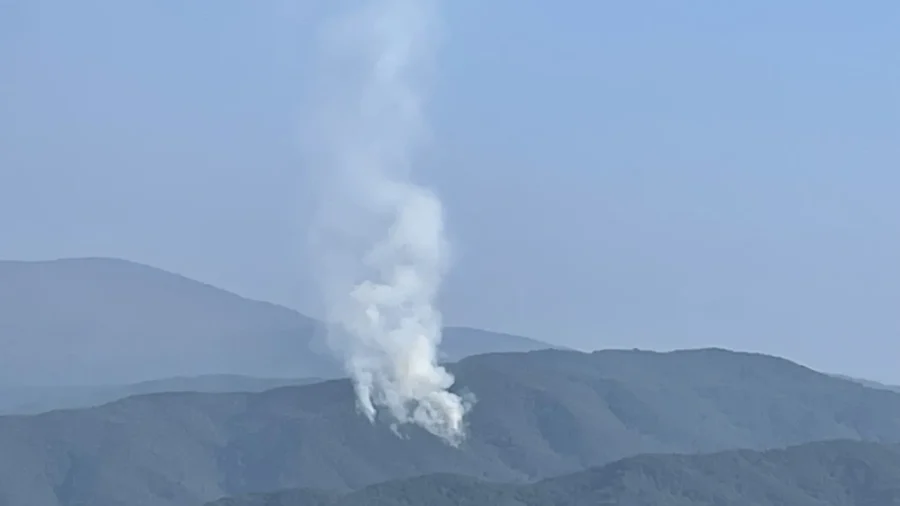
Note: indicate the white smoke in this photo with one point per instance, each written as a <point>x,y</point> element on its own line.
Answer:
<point>379,236</point>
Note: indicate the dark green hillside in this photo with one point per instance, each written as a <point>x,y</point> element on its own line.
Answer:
<point>833,473</point>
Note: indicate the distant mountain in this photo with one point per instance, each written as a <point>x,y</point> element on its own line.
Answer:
<point>833,473</point>
<point>108,321</point>
<point>870,383</point>
<point>104,321</point>
<point>539,414</point>
<point>461,342</point>
<point>33,400</point>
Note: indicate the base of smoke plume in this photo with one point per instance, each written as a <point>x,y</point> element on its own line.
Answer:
<point>404,429</point>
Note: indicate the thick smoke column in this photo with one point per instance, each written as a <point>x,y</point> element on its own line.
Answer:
<point>379,236</point>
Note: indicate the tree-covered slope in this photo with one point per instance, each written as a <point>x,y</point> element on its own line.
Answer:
<point>832,473</point>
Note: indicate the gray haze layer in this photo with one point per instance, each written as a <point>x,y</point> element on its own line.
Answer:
<point>622,174</point>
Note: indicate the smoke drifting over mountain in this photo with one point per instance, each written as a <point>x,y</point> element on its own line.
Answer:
<point>380,237</point>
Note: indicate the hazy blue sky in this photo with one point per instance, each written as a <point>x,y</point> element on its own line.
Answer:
<point>649,174</point>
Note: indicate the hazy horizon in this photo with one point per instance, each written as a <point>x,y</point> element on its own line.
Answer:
<point>152,378</point>
<point>616,176</point>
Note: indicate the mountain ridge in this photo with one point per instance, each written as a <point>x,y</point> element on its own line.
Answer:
<point>29,400</point>
<point>539,414</point>
<point>869,383</point>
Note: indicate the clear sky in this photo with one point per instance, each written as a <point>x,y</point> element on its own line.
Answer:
<point>650,174</point>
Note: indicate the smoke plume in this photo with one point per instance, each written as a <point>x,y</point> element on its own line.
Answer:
<point>380,237</point>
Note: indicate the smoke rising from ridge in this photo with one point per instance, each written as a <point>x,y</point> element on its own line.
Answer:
<point>379,237</point>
